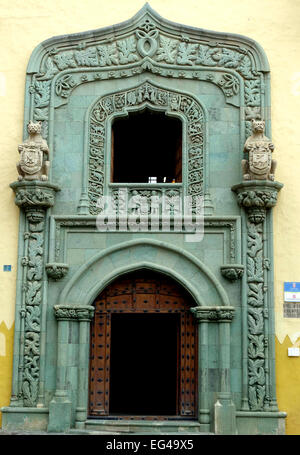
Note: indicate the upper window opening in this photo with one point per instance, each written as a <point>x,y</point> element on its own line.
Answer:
<point>147,148</point>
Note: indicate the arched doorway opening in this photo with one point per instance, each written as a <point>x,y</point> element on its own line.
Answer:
<point>143,354</point>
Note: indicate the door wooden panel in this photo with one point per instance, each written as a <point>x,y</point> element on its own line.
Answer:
<point>143,292</point>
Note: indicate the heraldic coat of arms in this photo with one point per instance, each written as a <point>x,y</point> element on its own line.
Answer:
<point>32,164</point>
<point>260,165</point>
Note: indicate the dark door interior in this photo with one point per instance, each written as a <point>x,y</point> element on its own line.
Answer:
<point>143,352</point>
<point>143,370</point>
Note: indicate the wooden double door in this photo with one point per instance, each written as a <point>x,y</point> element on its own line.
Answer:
<point>143,353</point>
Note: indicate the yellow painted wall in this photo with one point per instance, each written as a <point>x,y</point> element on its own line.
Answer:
<point>273,23</point>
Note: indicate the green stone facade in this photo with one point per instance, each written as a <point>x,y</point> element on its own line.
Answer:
<point>76,86</point>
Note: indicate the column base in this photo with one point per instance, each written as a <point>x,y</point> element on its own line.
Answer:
<point>225,415</point>
<point>60,409</point>
<point>81,416</point>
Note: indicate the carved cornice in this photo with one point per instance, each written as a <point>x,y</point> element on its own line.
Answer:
<point>34,194</point>
<point>213,314</point>
<point>256,197</point>
<point>73,312</point>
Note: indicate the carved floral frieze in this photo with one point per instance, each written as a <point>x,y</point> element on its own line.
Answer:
<point>148,47</point>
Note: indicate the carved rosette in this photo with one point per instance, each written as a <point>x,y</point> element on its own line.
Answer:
<point>213,314</point>
<point>34,197</point>
<point>256,197</point>
<point>56,270</point>
<point>232,272</point>
<point>73,312</point>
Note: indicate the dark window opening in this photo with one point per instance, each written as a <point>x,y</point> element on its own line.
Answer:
<point>147,148</point>
<point>143,377</point>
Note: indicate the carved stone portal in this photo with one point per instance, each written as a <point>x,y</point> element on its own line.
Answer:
<point>32,165</point>
<point>260,165</point>
<point>208,80</point>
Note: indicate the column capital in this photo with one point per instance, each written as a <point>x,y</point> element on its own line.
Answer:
<point>213,313</point>
<point>69,312</point>
<point>256,196</point>
<point>34,194</point>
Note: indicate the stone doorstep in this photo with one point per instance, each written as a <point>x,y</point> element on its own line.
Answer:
<point>143,427</point>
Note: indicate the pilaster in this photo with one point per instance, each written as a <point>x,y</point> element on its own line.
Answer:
<point>257,197</point>
<point>224,418</point>
<point>60,407</point>
<point>34,198</point>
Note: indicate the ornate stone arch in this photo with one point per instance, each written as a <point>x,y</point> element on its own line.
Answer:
<point>92,277</point>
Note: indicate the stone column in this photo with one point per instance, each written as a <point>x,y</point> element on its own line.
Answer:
<point>224,408</point>
<point>84,316</point>
<point>225,412</point>
<point>60,407</point>
<point>203,406</point>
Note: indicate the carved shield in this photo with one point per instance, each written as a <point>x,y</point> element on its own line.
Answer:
<point>260,160</point>
<point>31,160</point>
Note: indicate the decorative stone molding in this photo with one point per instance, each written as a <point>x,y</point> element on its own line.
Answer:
<point>213,314</point>
<point>56,270</point>
<point>232,272</point>
<point>73,312</point>
<point>256,196</point>
<point>34,194</point>
<point>59,223</point>
<point>185,106</point>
